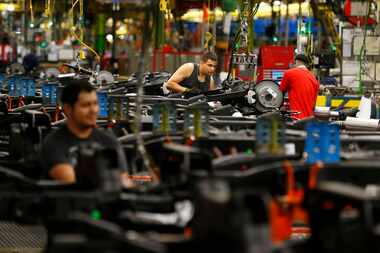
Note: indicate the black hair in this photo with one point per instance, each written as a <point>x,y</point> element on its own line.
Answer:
<point>70,92</point>
<point>209,56</point>
<point>303,58</point>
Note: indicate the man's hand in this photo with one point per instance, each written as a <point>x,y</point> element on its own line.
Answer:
<point>192,92</point>
<point>126,182</point>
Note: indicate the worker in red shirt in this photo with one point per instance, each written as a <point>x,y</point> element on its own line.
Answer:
<point>5,51</point>
<point>302,88</point>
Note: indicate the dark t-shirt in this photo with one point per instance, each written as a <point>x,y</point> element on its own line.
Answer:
<point>30,62</point>
<point>193,82</point>
<point>57,146</point>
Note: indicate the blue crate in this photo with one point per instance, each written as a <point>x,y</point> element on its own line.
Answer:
<point>322,143</point>
<point>21,86</point>
<point>103,103</point>
<point>2,78</point>
<point>49,93</point>
<point>12,85</point>
<point>32,88</point>
<point>27,87</point>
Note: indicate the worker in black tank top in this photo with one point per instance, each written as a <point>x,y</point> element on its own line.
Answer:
<point>193,81</point>
<point>194,78</point>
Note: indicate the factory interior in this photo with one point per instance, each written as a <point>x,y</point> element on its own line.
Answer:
<point>175,126</point>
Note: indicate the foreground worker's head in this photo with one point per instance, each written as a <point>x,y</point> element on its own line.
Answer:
<point>208,63</point>
<point>301,59</point>
<point>80,104</point>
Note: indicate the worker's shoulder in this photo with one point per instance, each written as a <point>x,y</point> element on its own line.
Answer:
<point>55,134</point>
<point>187,66</point>
<point>105,136</point>
<point>184,70</point>
<point>292,70</point>
<point>56,137</point>
<point>299,72</point>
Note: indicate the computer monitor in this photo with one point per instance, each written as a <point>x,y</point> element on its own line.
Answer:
<point>277,75</point>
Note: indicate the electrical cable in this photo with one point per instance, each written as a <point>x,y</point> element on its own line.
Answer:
<point>367,74</point>
<point>208,17</point>
<point>31,11</point>
<point>87,46</point>
<point>363,48</point>
<point>47,8</point>
<point>232,52</point>
<point>147,161</point>
<point>73,5</point>
<point>208,36</point>
<point>251,16</point>
<point>255,10</point>
<point>73,28</point>
<point>309,47</point>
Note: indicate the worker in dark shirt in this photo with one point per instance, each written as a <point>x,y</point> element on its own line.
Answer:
<point>30,61</point>
<point>194,78</point>
<point>80,105</point>
<point>302,88</point>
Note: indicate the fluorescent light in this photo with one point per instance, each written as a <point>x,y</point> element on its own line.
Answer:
<point>11,7</point>
<point>109,38</point>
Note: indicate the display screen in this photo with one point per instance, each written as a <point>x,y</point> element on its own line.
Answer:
<point>277,75</point>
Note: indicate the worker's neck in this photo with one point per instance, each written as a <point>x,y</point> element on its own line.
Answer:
<point>300,65</point>
<point>80,132</point>
<point>202,75</point>
<point>201,72</point>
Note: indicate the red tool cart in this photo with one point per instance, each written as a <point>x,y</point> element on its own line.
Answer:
<point>273,61</point>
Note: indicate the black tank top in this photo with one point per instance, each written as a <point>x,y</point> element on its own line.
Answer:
<point>193,82</point>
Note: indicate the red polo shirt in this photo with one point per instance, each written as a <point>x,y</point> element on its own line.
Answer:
<point>302,88</point>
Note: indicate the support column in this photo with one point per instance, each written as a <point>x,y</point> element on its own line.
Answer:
<point>25,22</point>
<point>100,33</point>
<point>287,24</point>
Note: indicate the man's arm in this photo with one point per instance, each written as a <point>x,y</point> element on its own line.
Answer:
<point>182,72</point>
<point>54,160</point>
<point>63,172</point>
